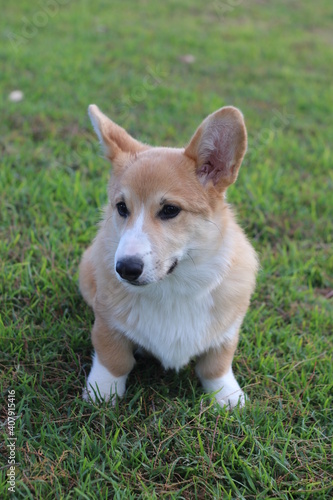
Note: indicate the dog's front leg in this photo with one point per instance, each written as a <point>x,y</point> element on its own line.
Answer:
<point>214,369</point>
<point>113,360</point>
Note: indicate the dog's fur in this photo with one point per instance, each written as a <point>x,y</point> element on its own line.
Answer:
<point>176,285</point>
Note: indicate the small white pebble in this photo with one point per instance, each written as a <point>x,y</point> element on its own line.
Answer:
<point>16,96</point>
<point>187,59</point>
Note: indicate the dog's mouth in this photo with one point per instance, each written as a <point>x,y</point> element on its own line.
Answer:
<point>173,267</point>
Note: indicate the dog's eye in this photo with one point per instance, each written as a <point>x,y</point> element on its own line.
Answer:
<point>122,209</point>
<point>169,212</point>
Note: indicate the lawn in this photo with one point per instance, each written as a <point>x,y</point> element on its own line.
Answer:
<point>166,439</point>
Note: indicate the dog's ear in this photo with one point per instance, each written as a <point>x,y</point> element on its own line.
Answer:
<point>114,139</point>
<point>218,147</point>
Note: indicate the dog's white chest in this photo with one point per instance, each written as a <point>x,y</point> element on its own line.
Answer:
<point>174,329</point>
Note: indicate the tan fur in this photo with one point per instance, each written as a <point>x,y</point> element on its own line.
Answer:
<point>187,178</point>
<point>216,362</point>
<point>115,351</point>
<point>87,278</point>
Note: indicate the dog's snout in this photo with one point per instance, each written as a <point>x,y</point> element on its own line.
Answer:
<point>130,268</point>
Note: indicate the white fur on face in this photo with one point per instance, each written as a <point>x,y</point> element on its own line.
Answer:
<point>135,242</point>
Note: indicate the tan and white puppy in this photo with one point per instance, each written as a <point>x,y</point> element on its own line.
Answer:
<point>169,270</point>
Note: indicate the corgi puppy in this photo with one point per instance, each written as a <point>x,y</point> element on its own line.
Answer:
<point>170,270</point>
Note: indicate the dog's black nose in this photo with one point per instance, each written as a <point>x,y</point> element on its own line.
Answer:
<point>130,268</point>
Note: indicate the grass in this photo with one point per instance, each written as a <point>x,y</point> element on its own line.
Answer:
<point>165,439</point>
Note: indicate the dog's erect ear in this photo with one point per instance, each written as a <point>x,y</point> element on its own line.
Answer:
<point>114,139</point>
<point>218,147</point>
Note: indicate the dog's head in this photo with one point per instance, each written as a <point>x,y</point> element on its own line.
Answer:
<point>165,207</point>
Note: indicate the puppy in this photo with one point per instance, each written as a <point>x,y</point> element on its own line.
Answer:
<point>170,270</point>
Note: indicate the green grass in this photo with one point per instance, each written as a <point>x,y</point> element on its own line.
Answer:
<point>165,439</point>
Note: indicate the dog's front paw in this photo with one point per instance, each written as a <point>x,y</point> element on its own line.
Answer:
<point>102,385</point>
<point>226,399</point>
<point>226,390</point>
<point>93,393</point>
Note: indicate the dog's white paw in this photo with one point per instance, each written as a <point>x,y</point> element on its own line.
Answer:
<point>226,390</point>
<point>102,385</point>
<point>237,398</point>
